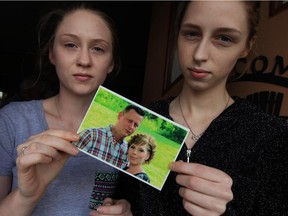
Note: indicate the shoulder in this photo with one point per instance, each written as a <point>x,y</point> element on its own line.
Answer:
<point>250,118</point>
<point>143,176</point>
<point>95,131</point>
<point>21,113</point>
<point>21,106</point>
<point>19,120</point>
<point>253,113</point>
<point>161,106</point>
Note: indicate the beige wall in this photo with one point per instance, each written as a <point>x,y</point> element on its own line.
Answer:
<point>272,42</point>
<point>157,55</point>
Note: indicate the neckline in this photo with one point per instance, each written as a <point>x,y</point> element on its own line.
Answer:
<point>41,107</point>
<point>167,113</point>
<point>170,99</point>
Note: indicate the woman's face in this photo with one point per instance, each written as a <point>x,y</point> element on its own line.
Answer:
<point>82,52</point>
<point>212,37</point>
<point>137,154</point>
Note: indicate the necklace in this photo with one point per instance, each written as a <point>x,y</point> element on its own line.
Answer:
<point>195,137</point>
<point>57,108</point>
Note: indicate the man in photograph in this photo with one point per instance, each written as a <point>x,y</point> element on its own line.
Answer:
<point>107,143</point>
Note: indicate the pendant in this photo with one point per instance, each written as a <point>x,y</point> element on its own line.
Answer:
<point>188,153</point>
<point>195,137</point>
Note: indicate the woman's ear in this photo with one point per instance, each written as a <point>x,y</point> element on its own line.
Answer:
<point>249,47</point>
<point>147,158</point>
<point>51,56</point>
<point>111,67</point>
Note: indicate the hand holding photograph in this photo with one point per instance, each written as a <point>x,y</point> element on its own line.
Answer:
<point>130,137</point>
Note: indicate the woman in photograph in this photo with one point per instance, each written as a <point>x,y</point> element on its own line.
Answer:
<point>141,150</point>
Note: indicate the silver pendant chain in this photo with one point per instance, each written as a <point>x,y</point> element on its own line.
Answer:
<point>194,137</point>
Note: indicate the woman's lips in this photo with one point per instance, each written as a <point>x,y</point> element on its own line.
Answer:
<point>198,73</point>
<point>132,159</point>
<point>82,77</point>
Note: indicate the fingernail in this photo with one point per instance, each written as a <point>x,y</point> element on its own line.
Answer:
<point>76,136</point>
<point>75,150</point>
<point>99,209</point>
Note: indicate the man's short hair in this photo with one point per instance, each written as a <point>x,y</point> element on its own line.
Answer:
<point>136,108</point>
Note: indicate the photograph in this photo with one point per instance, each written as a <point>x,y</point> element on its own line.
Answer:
<point>130,137</point>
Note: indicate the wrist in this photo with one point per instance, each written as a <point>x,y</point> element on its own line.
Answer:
<point>18,205</point>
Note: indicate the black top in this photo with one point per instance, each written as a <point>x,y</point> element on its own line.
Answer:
<point>247,144</point>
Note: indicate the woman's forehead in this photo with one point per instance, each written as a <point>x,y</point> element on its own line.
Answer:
<point>85,22</point>
<point>217,14</point>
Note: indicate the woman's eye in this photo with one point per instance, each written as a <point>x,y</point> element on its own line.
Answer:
<point>192,34</point>
<point>224,39</point>
<point>98,49</point>
<point>70,45</point>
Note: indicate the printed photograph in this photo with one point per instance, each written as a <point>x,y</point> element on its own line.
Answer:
<point>130,137</point>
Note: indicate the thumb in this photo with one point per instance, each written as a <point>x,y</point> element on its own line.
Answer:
<point>108,201</point>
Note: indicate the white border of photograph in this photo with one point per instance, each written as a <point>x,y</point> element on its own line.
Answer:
<point>147,110</point>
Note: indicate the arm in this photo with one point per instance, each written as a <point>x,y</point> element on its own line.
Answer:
<point>44,157</point>
<point>128,188</point>
<point>14,202</point>
<point>271,195</point>
<point>205,190</point>
<point>6,183</point>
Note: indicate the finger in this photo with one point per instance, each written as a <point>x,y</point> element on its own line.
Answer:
<point>211,188</point>
<point>107,201</point>
<point>40,148</point>
<point>194,209</point>
<point>93,213</point>
<point>27,161</point>
<point>200,170</point>
<point>46,139</point>
<point>67,135</point>
<point>23,150</point>
<point>118,207</point>
<point>204,201</point>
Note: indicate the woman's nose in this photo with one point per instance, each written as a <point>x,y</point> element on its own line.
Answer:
<point>201,52</point>
<point>84,58</point>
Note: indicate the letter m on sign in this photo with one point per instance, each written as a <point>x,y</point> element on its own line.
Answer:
<point>268,101</point>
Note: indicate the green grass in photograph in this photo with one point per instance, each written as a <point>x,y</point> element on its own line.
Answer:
<point>99,116</point>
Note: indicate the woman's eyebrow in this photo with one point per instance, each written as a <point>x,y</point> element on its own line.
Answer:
<point>229,30</point>
<point>221,29</point>
<point>190,25</point>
